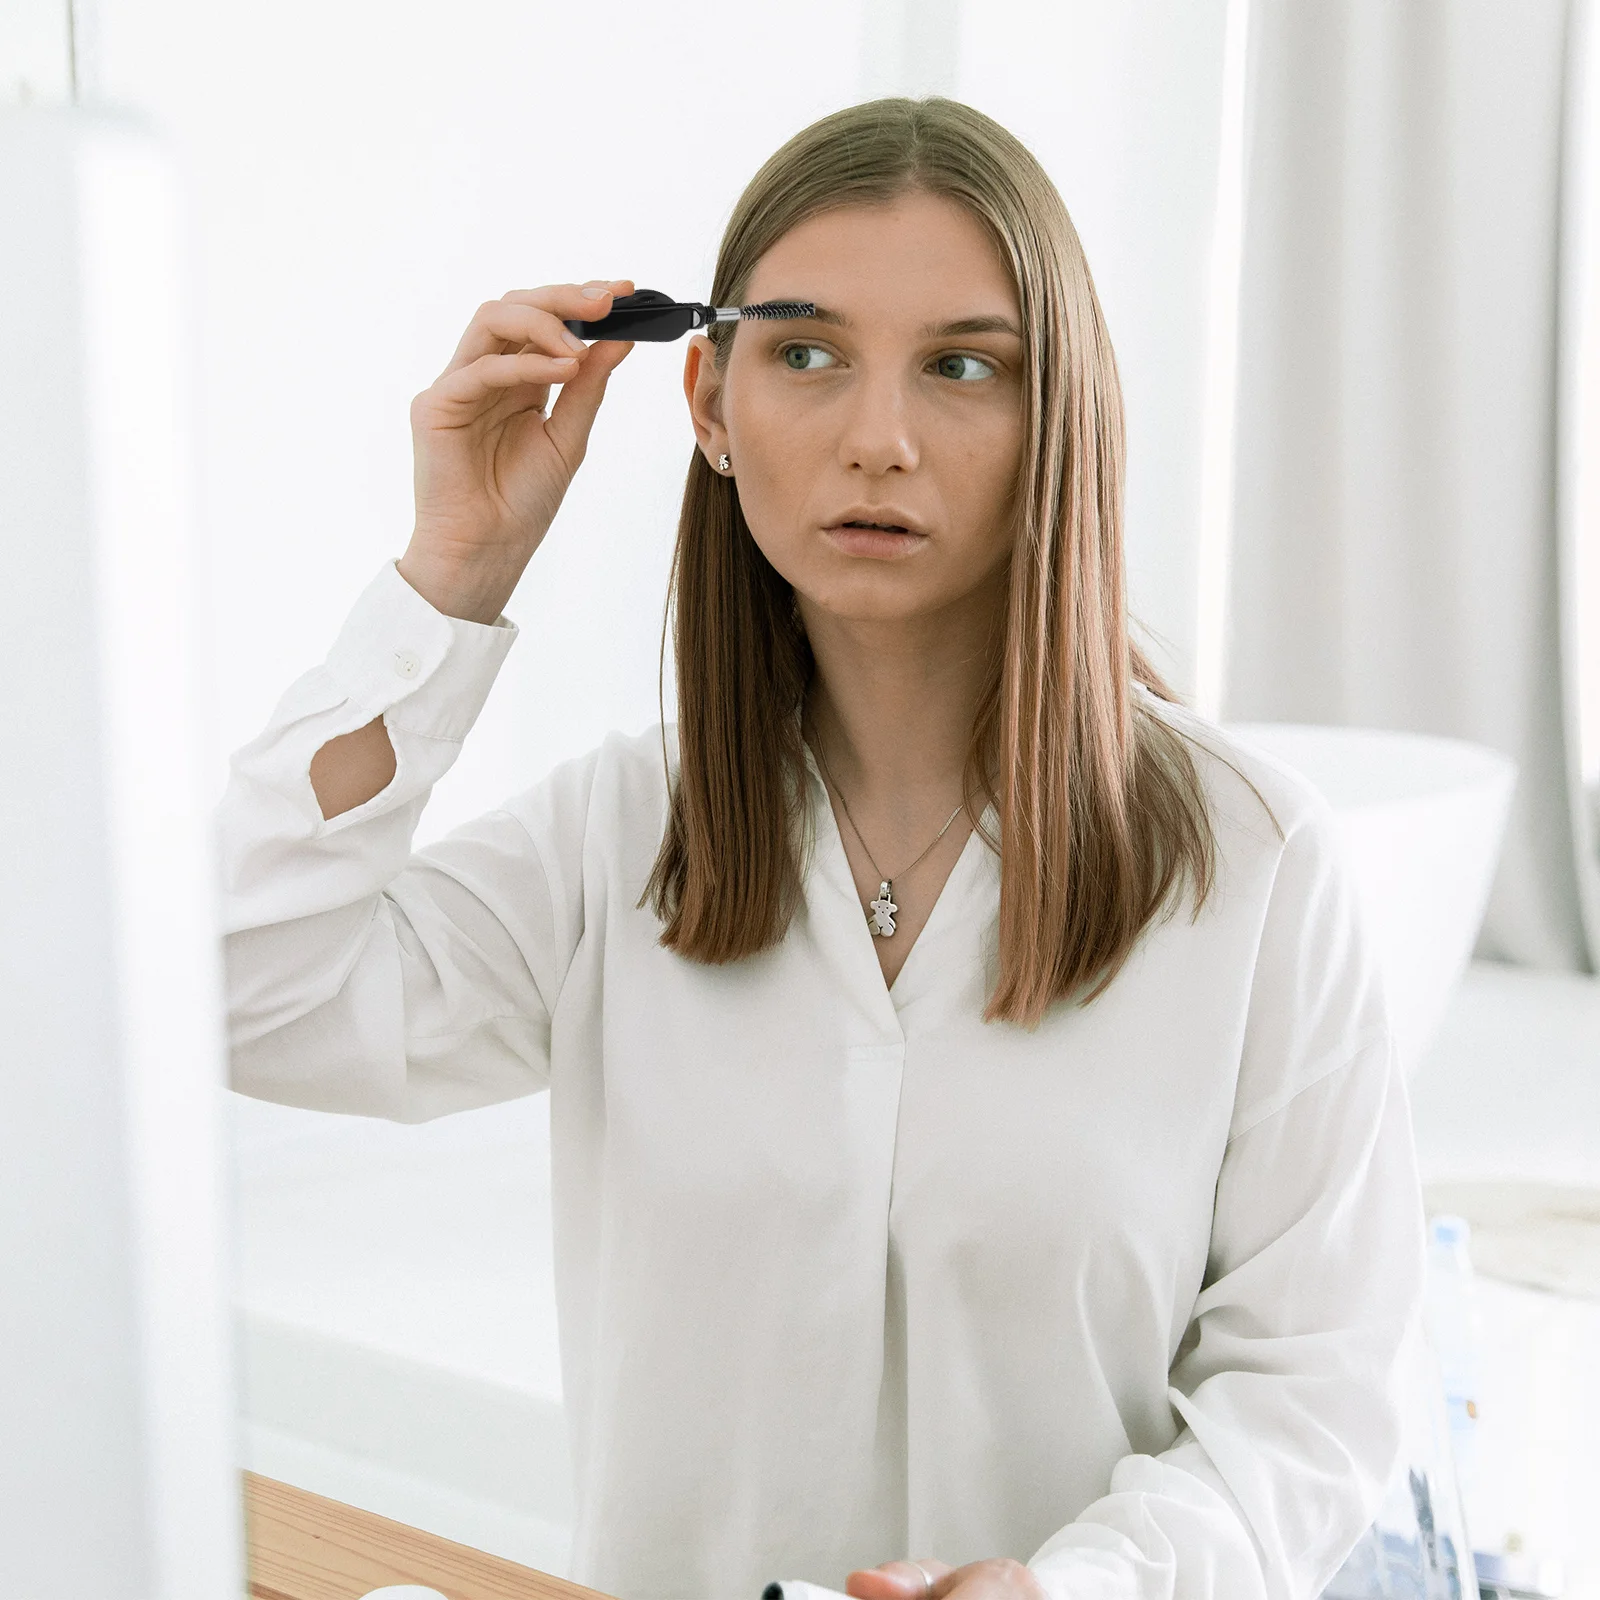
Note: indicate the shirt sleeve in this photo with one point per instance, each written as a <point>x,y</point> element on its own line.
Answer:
<point>1286,1380</point>
<point>361,977</point>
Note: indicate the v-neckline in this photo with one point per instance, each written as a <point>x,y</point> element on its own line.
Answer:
<point>833,861</point>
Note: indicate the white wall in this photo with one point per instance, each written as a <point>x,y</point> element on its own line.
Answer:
<point>365,175</point>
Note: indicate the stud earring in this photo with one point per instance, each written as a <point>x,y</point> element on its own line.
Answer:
<point>723,463</point>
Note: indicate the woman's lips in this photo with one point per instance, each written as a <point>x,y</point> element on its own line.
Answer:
<point>854,539</point>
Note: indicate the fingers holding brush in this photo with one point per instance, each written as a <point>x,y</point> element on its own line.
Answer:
<point>532,318</point>
<point>491,467</point>
<point>513,351</point>
<point>518,346</point>
<point>573,414</point>
<point>463,394</point>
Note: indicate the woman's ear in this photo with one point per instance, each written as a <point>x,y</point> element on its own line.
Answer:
<point>702,388</point>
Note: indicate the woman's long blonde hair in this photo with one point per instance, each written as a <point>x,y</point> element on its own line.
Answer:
<point>1102,812</point>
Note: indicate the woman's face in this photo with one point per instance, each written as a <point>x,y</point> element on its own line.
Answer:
<point>899,405</point>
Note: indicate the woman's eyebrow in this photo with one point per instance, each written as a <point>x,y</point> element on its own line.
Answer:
<point>946,330</point>
<point>941,330</point>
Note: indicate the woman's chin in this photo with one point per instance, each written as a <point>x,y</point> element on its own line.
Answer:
<point>883,597</point>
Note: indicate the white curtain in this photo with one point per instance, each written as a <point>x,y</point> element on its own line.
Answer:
<point>1395,558</point>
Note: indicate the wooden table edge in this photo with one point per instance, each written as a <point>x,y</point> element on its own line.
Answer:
<point>303,1546</point>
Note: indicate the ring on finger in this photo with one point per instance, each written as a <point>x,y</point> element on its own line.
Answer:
<point>927,1580</point>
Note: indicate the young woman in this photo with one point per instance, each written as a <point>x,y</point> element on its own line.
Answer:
<point>923,1183</point>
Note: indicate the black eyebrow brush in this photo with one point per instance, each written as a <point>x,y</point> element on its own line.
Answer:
<point>648,314</point>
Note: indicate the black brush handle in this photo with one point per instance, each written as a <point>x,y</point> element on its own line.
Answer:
<point>645,314</point>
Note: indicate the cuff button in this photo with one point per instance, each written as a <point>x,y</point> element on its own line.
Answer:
<point>407,663</point>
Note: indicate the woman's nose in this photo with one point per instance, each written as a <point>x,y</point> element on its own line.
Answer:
<point>878,435</point>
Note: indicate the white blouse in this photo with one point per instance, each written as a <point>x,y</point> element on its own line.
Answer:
<point>844,1272</point>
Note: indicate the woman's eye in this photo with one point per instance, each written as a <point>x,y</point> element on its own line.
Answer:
<point>806,357</point>
<point>964,368</point>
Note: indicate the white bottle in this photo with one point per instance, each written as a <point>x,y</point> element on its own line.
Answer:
<point>1454,1326</point>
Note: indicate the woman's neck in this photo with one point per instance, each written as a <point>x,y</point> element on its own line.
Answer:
<point>892,706</point>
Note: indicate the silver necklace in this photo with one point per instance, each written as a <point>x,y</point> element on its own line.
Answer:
<point>880,912</point>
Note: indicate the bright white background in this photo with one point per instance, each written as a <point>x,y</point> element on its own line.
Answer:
<point>364,176</point>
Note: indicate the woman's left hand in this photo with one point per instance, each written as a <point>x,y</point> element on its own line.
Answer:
<point>997,1579</point>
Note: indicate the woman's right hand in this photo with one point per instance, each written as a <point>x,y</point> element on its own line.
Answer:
<point>491,466</point>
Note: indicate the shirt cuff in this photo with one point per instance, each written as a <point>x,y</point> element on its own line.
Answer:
<point>425,673</point>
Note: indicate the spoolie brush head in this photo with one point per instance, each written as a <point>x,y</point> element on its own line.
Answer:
<point>776,309</point>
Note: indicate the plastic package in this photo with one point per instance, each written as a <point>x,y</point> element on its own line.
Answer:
<point>1515,1576</point>
<point>1455,1331</point>
<point>1418,1548</point>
